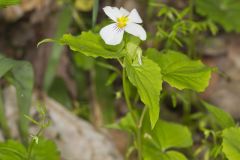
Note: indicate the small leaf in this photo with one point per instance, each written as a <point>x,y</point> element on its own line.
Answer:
<point>32,120</point>
<point>148,81</point>
<point>231,141</point>
<point>180,71</point>
<point>223,119</point>
<point>91,44</point>
<point>47,40</point>
<point>126,124</point>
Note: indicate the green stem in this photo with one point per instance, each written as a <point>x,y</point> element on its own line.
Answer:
<point>139,144</point>
<point>125,90</point>
<point>192,37</point>
<point>30,149</point>
<point>135,117</point>
<point>108,66</point>
<point>33,143</point>
<point>142,117</point>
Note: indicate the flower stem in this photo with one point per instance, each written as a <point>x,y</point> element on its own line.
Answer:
<point>135,117</point>
<point>125,90</point>
<point>33,142</point>
<point>142,117</point>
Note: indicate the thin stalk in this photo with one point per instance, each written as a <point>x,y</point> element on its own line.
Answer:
<point>139,143</point>
<point>192,37</point>
<point>33,143</point>
<point>78,19</point>
<point>97,116</point>
<point>135,118</point>
<point>96,107</point>
<point>108,66</point>
<point>142,117</point>
<point>95,12</point>
<point>125,90</point>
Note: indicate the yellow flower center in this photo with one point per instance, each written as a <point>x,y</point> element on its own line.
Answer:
<point>122,22</point>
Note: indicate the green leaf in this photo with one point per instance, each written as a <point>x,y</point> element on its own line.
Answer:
<point>224,12</point>
<point>91,44</point>
<point>231,141</point>
<point>5,3</point>
<point>45,150</point>
<point>173,155</point>
<point>21,76</point>
<point>5,65</point>
<point>166,136</point>
<point>147,79</point>
<point>222,118</point>
<point>126,124</point>
<point>170,155</point>
<point>12,150</point>
<point>180,71</point>
<point>171,135</point>
<point>23,81</point>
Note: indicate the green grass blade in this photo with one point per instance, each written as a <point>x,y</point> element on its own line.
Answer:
<point>95,12</point>
<point>64,20</point>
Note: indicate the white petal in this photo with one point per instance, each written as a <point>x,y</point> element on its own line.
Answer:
<point>124,12</point>
<point>112,12</point>
<point>136,30</point>
<point>111,34</point>
<point>134,17</point>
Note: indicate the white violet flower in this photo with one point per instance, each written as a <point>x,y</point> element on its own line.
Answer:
<point>123,21</point>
